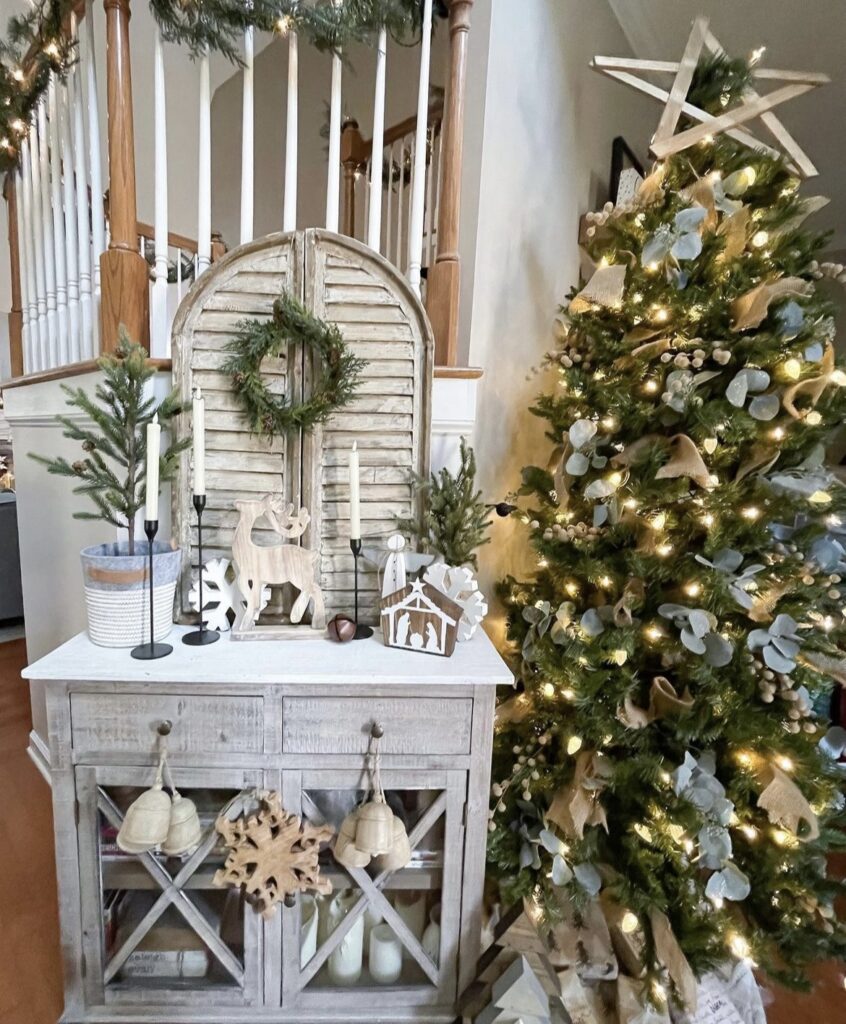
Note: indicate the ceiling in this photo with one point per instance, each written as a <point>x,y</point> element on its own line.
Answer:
<point>807,36</point>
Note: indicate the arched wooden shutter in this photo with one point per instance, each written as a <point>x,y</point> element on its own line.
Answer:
<point>347,284</point>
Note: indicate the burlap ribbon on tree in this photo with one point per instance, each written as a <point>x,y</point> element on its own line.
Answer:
<point>684,460</point>
<point>664,702</point>
<point>605,288</point>
<point>812,387</point>
<point>578,804</point>
<point>750,310</point>
<point>785,804</point>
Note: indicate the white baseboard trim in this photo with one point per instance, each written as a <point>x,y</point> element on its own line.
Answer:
<point>40,756</point>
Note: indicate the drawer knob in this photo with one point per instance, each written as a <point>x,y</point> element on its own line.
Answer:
<point>165,728</point>
<point>377,731</point>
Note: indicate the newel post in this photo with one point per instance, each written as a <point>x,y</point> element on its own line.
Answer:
<point>351,159</point>
<point>123,270</point>
<point>444,281</point>
<point>16,359</point>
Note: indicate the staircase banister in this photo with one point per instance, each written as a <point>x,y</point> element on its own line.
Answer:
<point>405,127</point>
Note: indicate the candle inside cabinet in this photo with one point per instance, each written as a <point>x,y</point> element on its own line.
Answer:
<point>355,495</point>
<point>154,444</point>
<point>199,435</point>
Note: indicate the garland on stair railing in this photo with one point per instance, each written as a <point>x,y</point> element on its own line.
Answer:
<point>337,370</point>
<point>37,41</point>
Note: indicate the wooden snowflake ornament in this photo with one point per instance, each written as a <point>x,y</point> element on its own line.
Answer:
<point>221,595</point>
<point>272,854</point>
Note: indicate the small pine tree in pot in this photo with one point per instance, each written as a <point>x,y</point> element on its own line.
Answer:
<point>111,473</point>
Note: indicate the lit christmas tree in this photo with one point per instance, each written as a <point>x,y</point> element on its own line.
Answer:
<point>663,761</point>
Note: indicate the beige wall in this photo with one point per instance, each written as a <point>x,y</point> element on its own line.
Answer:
<point>549,123</point>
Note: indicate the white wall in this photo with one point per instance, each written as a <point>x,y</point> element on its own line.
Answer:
<point>271,71</point>
<point>549,123</point>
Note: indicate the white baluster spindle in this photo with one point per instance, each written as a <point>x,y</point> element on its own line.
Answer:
<point>98,216</point>
<point>400,202</point>
<point>60,254</point>
<point>51,355</point>
<point>247,148</point>
<point>388,157</point>
<point>159,334</point>
<point>27,252</point>
<point>430,194</point>
<point>204,174</point>
<point>17,184</point>
<point>39,350</point>
<point>83,228</point>
<point>289,203</point>
<point>374,222</point>
<point>66,154</point>
<point>418,178</point>
<point>333,177</point>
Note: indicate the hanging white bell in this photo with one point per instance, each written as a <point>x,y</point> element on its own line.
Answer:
<point>184,832</point>
<point>345,851</point>
<point>399,854</point>
<point>374,833</point>
<point>147,821</point>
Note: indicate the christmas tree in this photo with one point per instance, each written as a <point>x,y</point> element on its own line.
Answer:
<point>663,761</point>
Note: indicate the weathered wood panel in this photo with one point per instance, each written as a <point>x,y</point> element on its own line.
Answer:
<point>382,320</point>
<point>342,725</point>
<point>117,722</point>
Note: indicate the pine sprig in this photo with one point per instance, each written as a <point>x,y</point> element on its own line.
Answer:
<point>113,435</point>
<point>456,520</point>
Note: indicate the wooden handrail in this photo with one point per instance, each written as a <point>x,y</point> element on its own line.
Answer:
<point>174,240</point>
<point>444,282</point>
<point>72,370</point>
<point>123,270</point>
<point>16,312</point>
<point>405,127</point>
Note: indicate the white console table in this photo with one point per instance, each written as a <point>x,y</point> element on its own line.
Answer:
<point>149,938</point>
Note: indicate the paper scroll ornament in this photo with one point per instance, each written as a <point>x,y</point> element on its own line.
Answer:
<point>605,288</point>
<point>459,584</point>
<point>272,854</point>
<point>669,952</point>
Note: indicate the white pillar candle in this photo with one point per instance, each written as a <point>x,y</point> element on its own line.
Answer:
<point>355,495</point>
<point>199,427</point>
<point>154,444</point>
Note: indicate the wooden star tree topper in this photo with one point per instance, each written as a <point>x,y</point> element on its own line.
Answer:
<point>734,122</point>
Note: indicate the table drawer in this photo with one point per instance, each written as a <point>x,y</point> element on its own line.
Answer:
<point>201,724</point>
<point>341,725</point>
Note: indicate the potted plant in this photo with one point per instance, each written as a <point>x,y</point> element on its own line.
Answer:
<point>112,474</point>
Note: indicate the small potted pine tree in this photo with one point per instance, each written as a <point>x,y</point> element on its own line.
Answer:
<point>112,474</point>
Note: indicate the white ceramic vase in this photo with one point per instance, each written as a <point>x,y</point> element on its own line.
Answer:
<point>432,936</point>
<point>308,929</point>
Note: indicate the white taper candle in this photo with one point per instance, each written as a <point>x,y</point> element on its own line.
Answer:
<point>154,445</point>
<point>199,430</point>
<point>355,495</point>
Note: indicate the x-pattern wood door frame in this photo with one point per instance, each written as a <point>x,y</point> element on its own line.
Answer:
<point>92,788</point>
<point>447,806</point>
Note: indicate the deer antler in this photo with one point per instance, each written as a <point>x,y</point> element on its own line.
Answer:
<point>282,520</point>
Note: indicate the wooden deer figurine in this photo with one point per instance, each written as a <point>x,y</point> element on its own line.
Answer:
<point>257,565</point>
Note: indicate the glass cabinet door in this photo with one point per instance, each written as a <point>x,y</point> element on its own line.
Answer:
<point>382,937</point>
<point>157,925</point>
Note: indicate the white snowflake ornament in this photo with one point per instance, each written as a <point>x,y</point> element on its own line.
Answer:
<point>459,584</point>
<point>220,595</point>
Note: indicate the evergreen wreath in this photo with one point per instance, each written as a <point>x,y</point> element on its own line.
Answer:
<point>256,340</point>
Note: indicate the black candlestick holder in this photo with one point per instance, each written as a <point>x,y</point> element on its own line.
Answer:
<point>202,636</point>
<point>361,632</point>
<point>150,651</point>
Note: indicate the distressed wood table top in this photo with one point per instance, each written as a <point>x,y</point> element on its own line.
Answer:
<point>363,663</point>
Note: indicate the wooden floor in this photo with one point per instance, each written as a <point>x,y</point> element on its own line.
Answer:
<point>30,965</point>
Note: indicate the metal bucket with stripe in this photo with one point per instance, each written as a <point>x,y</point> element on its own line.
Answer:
<point>117,595</point>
